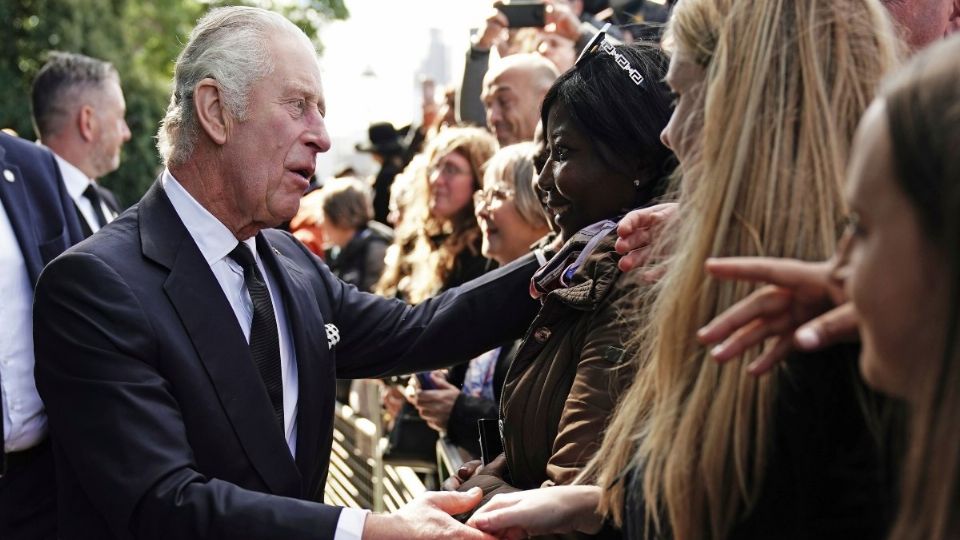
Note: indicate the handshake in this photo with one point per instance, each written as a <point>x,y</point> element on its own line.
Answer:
<point>551,510</point>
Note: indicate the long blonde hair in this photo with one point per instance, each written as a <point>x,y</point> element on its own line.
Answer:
<point>923,108</point>
<point>786,83</point>
<point>427,264</point>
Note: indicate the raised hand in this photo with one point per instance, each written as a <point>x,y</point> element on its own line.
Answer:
<point>804,307</point>
<point>493,30</point>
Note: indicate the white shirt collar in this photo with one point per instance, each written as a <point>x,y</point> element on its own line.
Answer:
<point>73,178</point>
<point>212,237</point>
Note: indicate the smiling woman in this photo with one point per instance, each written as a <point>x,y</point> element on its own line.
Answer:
<point>604,157</point>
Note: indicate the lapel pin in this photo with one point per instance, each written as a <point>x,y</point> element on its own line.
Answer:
<point>8,175</point>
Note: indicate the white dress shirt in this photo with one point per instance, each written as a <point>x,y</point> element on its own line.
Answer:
<point>76,183</point>
<point>216,242</point>
<point>24,422</point>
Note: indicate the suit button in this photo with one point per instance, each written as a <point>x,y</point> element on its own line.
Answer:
<point>542,334</point>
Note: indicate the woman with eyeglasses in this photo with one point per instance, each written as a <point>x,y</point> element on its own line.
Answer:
<point>511,221</point>
<point>601,122</point>
<point>769,94</point>
<point>446,250</point>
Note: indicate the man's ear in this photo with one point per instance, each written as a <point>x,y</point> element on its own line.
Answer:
<point>87,122</point>
<point>953,24</point>
<point>211,113</point>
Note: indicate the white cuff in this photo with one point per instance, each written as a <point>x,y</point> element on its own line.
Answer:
<point>350,524</point>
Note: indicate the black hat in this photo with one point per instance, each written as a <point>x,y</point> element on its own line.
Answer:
<point>384,139</point>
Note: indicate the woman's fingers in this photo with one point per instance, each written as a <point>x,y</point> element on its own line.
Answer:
<point>771,357</point>
<point>838,325</point>
<point>752,334</point>
<point>765,303</point>
<point>789,273</point>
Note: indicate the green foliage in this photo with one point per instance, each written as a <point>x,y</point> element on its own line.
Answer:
<point>141,38</point>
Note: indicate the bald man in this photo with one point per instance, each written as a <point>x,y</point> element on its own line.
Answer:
<point>925,21</point>
<point>512,92</point>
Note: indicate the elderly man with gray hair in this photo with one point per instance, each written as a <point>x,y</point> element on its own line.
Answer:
<point>187,354</point>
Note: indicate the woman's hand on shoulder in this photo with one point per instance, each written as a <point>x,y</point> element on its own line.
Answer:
<point>638,232</point>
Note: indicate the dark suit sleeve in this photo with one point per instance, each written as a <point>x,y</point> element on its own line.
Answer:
<point>380,337</point>
<point>110,404</point>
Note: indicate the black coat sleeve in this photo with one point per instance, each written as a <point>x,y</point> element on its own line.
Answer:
<point>380,337</point>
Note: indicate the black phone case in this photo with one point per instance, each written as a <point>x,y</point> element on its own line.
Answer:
<point>491,445</point>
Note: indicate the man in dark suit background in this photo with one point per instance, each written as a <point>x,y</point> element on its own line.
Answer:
<point>37,222</point>
<point>78,112</point>
<point>189,353</point>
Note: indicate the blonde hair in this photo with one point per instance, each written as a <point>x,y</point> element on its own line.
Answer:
<point>923,110</point>
<point>408,201</point>
<point>786,82</point>
<point>421,270</point>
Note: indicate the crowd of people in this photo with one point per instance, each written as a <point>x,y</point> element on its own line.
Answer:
<point>700,274</point>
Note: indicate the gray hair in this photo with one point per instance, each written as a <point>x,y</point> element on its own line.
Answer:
<point>60,83</point>
<point>229,45</point>
<point>513,165</point>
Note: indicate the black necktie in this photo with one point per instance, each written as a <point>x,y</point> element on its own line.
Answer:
<point>91,194</point>
<point>264,340</point>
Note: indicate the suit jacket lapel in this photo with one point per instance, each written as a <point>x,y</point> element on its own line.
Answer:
<point>17,205</point>
<point>210,322</point>
<point>309,339</point>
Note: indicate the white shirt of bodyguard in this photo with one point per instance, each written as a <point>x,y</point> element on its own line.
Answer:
<point>24,422</point>
<point>216,242</point>
<point>76,183</point>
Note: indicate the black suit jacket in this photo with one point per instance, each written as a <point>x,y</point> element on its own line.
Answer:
<point>161,426</point>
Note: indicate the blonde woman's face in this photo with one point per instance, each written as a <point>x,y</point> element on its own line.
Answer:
<point>890,270</point>
<point>686,79</point>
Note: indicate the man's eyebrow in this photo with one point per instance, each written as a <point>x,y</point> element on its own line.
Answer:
<point>499,89</point>
<point>300,89</point>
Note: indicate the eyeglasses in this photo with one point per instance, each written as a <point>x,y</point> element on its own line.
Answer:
<point>486,197</point>
<point>599,43</point>
<point>447,169</point>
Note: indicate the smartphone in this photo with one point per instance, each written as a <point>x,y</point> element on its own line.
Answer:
<point>491,445</point>
<point>426,383</point>
<point>523,13</point>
